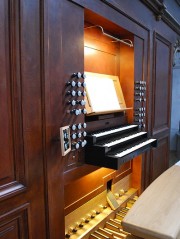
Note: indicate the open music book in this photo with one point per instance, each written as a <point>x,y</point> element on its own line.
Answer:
<point>104,94</point>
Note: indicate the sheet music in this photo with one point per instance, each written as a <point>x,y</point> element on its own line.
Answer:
<point>101,94</point>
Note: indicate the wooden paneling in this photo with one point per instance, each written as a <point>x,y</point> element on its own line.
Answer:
<point>52,93</point>
<point>41,45</point>
<point>72,62</point>
<point>101,56</point>
<point>161,84</point>
<point>11,154</point>
<point>14,224</point>
<point>21,146</point>
<point>32,108</point>
<point>141,70</point>
<point>6,154</point>
<point>157,211</point>
<point>160,158</point>
<point>9,231</point>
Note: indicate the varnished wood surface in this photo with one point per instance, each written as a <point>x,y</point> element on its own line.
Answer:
<point>41,45</point>
<point>156,213</point>
<point>22,189</point>
<point>91,183</point>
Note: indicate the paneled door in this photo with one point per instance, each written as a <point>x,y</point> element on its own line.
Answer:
<point>22,190</point>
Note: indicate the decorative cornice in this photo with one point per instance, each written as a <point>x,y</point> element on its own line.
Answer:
<point>161,12</point>
<point>171,21</point>
<point>156,6</point>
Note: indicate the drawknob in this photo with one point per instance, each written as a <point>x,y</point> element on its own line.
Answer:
<point>71,83</point>
<point>78,75</point>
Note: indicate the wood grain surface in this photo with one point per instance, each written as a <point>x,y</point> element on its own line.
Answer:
<point>156,213</point>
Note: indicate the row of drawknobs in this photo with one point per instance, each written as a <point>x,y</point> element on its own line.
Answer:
<point>76,93</point>
<point>78,132</point>
<point>140,112</point>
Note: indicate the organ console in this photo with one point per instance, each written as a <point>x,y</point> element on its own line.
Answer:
<point>113,147</point>
<point>109,139</point>
<point>102,216</point>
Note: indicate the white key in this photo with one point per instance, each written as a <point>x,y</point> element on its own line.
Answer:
<point>124,139</point>
<point>138,146</point>
<point>114,130</point>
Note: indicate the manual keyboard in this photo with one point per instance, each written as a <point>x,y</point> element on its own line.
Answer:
<point>113,147</point>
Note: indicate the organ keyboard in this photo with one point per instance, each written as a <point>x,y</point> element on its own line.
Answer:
<point>111,132</point>
<point>112,147</point>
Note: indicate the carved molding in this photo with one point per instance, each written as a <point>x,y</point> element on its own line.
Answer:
<point>11,189</point>
<point>156,6</point>
<point>161,13</point>
<point>171,22</point>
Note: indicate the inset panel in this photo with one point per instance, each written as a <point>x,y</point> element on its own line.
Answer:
<point>9,231</point>
<point>11,140</point>
<point>6,154</point>
<point>160,158</point>
<point>161,84</point>
<point>13,224</point>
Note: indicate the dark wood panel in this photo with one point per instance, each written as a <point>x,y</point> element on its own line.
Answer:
<point>11,150</point>
<point>160,157</point>
<point>21,120</point>
<point>32,108</point>
<point>43,40</point>
<point>63,56</point>
<point>10,231</point>
<point>161,84</point>
<point>14,224</point>
<point>114,14</point>
<point>72,62</point>
<point>6,147</point>
<point>139,63</point>
<point>141,71</point>
<point>146,171</point>
<point>53,117</point>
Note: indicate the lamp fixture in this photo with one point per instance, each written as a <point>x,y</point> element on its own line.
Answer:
<point>124,41</point>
